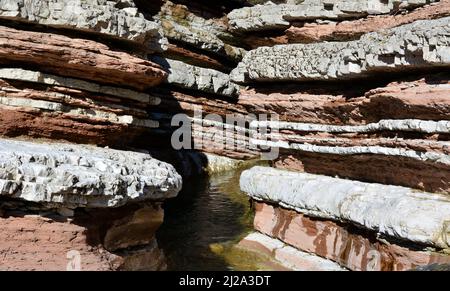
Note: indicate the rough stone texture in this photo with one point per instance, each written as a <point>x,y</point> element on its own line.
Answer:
<point>77,58</point>
<point>48,111</point>
<point>116,18</point>
<point>209,137</point>
<point>270,16</point>
<point>48,79</point>
<point>380,145</point>
<point>421,98</point>
<point>413,125</point>
<point>350,247</point>
<point>71,176</point>
<point>346,30</point>
<point>334,149</point>
<point>197,59</point>
<point>286,255</point>
<point>179,24</point>
<point>391,210</point>
<point>174,101</point>
<point>195,78</point>
<point>44,242</point>
<point>390,170</point>
<point>421,44</point>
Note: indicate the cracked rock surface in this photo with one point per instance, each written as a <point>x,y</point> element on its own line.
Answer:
<point>63,175</point>
<point>196,78</point>
<point>421,44</point>
<point>271,16</point>
<point>392,210</point>
<point>118,18</point>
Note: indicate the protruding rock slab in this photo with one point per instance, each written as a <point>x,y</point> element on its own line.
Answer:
<point>77,58</point>
<point>422,44</point>
<point>270,16</point>
<point>196,78</point>
<point>39,105</point>
<point>386,169</point>
<point>286,255</point>
<point>63,175</point>
<point>395,211</point>
<point>347,30</point>
<point>181,25</point>
<point>17,74</point>
<point>119,19</point>
<point>349,246</point>
<point>425,98</point>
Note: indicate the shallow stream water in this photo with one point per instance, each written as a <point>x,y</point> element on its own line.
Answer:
<point>204,223</point>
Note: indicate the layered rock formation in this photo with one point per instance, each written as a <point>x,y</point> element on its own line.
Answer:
<point>363,132</point>
<point>353,95</point>
<point>78,72</point>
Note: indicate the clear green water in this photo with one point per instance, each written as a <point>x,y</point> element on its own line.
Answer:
<point>204,222</point>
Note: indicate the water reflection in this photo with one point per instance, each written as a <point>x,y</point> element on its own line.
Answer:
<point>203,222</point>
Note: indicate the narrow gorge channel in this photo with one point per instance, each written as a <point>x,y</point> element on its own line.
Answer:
<point>204,223</point>
<point>153,135</point>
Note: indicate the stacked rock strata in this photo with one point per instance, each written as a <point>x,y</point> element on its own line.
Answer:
<point>201,53</point>
<point>362,93</point>
<point>90,93</point>
<point>77,71</point>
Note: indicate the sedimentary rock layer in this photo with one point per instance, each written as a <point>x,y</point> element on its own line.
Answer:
<point>181,25</point>
<point>422,44</point>
<point>424,98</point>
<point>347,30</point>
<point>77,58</point>
<point>109,239</point>
<point>119,19</point>
<point>351,247</point>
<point>286,255</point>
<point>216,137</point>
<point>385,169</point>
<point>196,78</point>
<point>391,210</point>
<point>33,104</point>
<point>410,125</point>
<point>62,175</point>
<point>270,16</point>
<point>48,79</point>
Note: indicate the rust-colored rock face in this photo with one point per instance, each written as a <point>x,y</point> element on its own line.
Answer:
<point>30,109</point>
<point>352,248</point>
<point>425,176</point>
<point>77,58</point>
<point>424,98</point>
<point>96,240</point>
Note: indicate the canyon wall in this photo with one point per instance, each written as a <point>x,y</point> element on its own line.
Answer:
<point>105,105</point>
<point>74,79</point>
<point>362,94</point>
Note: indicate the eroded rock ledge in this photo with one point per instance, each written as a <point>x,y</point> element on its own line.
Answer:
<point>288,256</point>
<point>360,226</point>
<point>74,176</point>
<point>63,200</point>
<point>119,18</point>
<point>77,58</point>
<point>348,246</point>
<point>421,44</point>
<point>391,210</point>
<point>270,16</point>
<point>179,24</point>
